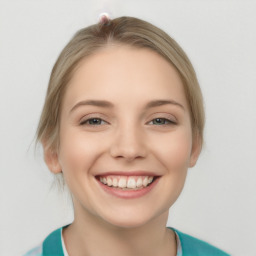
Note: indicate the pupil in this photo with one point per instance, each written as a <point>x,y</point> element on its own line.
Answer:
<point>159,120</point>
<point>95,121</point>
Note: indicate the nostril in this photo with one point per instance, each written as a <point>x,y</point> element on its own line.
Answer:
<point>128,145</point>
<point>127,154</point>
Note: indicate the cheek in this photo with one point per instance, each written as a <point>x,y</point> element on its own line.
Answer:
<point>173,153</point>
<point>77,152</point>
<point>175,150</point>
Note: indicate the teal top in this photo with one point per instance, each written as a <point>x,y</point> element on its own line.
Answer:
<point>189,246</point>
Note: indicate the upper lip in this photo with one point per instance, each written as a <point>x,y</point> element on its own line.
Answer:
<point>128,173</point>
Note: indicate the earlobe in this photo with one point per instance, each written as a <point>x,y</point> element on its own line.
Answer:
<point>196,150</point>
<point>51,159</point>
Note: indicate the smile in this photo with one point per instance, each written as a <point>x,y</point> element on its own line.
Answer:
<point>127,186</point>
<point>126,182</point>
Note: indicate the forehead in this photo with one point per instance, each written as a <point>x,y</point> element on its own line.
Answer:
<point>124,72</point>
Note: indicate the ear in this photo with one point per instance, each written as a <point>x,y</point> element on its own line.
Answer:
<point>51,159</point>
<point>195,151</point>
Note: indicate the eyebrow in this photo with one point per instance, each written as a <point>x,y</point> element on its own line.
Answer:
<point>156,103</point>
<point>107,104</point>
<point>97,103</point>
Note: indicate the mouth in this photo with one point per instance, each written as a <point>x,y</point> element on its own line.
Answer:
<point>127,186</point>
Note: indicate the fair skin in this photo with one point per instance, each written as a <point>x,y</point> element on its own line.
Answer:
<point>140,129</point>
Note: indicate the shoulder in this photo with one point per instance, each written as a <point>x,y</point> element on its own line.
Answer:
<point>52,245</point>
<point>192,246</point>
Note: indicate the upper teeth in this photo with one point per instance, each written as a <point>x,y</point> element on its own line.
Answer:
<point>126,182</point>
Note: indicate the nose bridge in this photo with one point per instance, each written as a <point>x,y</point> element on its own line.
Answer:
<point>128,141</point>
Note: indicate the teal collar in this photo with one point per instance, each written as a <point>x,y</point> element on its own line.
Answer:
<point>52,244</point>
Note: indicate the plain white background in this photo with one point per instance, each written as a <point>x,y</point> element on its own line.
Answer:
<point>218,203</point>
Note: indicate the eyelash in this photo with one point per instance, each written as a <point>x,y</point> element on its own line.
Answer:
<point>166,121</point>
<point>169,122</point>
<point>85,122</point>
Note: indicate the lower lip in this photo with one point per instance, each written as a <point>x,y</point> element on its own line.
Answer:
<point>128,194</point>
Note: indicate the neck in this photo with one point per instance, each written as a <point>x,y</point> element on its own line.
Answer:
<point>88,235</point>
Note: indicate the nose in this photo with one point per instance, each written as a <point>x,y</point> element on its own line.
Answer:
<point>129,144</point>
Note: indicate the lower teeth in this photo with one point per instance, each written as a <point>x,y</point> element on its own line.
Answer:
<point>127,188</point>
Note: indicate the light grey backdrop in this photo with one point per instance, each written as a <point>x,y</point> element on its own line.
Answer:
<point>218,203</point>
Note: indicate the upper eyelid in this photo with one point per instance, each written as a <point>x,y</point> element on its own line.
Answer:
<point>91,116</point>
<point>169,120</point>
<point>167,116</point>
<point>82,121</point>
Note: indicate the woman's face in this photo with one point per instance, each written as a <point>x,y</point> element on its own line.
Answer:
<point>124,121</point>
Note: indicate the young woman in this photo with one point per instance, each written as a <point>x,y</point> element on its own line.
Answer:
<point>122,122</point>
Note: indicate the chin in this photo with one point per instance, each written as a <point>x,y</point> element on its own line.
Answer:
<point>128,223</point>
<point>135,219</point>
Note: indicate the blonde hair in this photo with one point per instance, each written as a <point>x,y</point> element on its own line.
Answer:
<point>123,30</point>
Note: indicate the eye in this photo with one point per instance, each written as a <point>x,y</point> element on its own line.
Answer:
<point>93,121</point>
<point>162,121</point>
